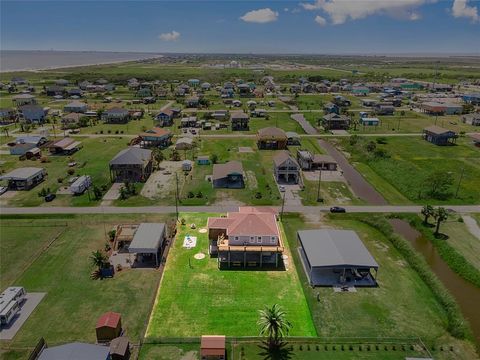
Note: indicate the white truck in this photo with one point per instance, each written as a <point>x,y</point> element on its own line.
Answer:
<point>81,184</point>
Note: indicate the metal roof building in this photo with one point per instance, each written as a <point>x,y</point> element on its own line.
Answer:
<point>148,239</point>
<point>336,257</point>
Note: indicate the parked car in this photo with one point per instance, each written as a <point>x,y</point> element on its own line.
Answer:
<point>50,197</point>
<point>3,190</point>
<point>337,209</point>
<point>281,188</point>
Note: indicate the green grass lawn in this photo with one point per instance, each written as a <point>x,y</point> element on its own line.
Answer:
<point>16,255</point>
<point>460,238</point>
<point>202,299</point>
<point>258,166</point>
<point>63,272</point>
<point>91,160</point>
<point>402,306</point>
<point>401,177</point>
<point>332,192</point>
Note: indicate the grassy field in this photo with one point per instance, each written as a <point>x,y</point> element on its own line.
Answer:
<point>91,160</point>
<point>201,299</point>
<point>460,238</point>
<point>332,192</point>
<point>401,177</point>
<point>63,271</point>
<point>402,305</point>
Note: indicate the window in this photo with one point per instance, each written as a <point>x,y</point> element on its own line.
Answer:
<point>273,240</point>
<point>236,237</point>
<point>259,240</point>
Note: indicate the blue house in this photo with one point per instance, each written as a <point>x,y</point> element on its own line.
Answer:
<point>331,108</point>
<point>32,114</point>
<point>165,118</point>
<point>193,82</point>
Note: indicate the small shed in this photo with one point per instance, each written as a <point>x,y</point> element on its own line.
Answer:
<point>120,348</point>
<point>148,241</point>
<point>109,326</point>
<point>212,347</point>
<point>203,160</point>
<point>187,165</point>
<point>184,143</point>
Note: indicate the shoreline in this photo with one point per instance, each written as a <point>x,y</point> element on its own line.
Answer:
<point>59,67</point>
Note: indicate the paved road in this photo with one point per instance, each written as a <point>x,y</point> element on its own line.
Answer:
<point>472,225</point>
<point>218,208</point>
<point>306,126</point>
<point>359,185</point>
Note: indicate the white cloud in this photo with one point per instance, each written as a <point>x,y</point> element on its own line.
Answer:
<point>260,16</point>
<point>170,36</point>
<point>320,20</point>
<point>461,9</point>
<point>340,11</point>
<point>286,9</point>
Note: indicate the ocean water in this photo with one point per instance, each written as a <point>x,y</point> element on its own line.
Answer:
<point>15,60</point>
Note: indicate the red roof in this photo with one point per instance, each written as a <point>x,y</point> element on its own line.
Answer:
<point>213,345</point>
<point>248,222</point>
<point>109,319</point>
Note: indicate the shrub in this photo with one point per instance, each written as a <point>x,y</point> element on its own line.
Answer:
<point>71,171</point>
<point>190,195</point>
<point>60,179</point>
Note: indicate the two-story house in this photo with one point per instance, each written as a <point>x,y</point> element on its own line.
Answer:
<point>249,237</point>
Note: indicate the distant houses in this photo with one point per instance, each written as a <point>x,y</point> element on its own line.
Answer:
<point>439,136</point>
<point>131,164</point>
<point>229,175</point>
<point>156,137</point>
<point>471,119</point>
<point>271,138</point>
<point>334,121</point>
<point>23,144</point>
<point>438,108</point>
<point>32,114</point>
<point>165,118</point>
<point>239,121</point>
<point>23,99</point>
<point>65,146</point>
<point>76,107</point>
<point>309,161</point>
<point>116,115</point>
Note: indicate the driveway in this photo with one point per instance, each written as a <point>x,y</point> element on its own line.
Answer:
<point>292,198</point>
<point>112,194</point>
<point>359,185</point>
<point>472,225</point>
<point>306,126</point>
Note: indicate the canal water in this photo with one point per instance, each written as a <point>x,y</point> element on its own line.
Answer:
<point>466,294</point>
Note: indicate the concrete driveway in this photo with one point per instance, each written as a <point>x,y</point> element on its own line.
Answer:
<point>292,197</point>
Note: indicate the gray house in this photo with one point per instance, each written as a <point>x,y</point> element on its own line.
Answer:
<point>286,169</point>
<point>24,178</point>
<point>309,161</point>
<point>32,114</point>
<point>228,175</point>
<point>239,120</point>
<point>131,164</point>
<point>334,121</point>
<point>116,116</point>
<point>76,107</point>
<point>439,136</point>
<point>336,258</point>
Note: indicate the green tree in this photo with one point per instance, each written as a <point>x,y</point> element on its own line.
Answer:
<point>427,211</point>
<point>440,215</point>
<point>158,156</point>
<point>439,183</point>
<point>273,324</point>
<point>214,158</point>
<point>98,259</point>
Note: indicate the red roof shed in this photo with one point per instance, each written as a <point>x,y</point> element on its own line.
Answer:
<point>109,326</point>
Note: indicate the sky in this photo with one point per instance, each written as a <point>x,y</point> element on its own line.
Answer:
<point>229,26</point>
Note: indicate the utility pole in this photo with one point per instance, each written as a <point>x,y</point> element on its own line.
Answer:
<point>319,198</point>
<point>460,181</point>
<point>176,196</point>
<point>283,206</point>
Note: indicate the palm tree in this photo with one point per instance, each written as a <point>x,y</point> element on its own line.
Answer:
<point>273,324</point>
<point>98,259</point>
<point>440,215</point>
<point>427,211</point>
